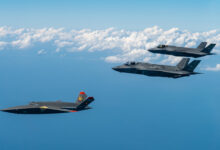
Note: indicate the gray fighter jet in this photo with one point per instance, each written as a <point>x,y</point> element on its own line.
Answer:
<point>81,103</point>
<point>200,51</point>
<point>182,69</point>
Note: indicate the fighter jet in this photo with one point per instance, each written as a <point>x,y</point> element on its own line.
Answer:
<point>81,103</point>
<point>182,69</point>
<point>200,51</point>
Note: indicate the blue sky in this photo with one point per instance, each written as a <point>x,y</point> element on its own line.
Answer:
<point>130,14</point>
<point>54,50</point>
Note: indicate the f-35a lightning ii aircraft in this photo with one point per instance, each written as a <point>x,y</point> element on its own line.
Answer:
<point>183,68</point>
<point>200,51</point>
<point>81,103</point>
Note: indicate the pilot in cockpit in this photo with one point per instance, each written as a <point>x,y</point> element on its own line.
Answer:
<point>130,63</point>
<point>161,46</point>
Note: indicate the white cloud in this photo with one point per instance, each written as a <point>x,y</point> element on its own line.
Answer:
<point>216,51</point>
<point>216,68</point>
<point>124,45</point>
<point>24,42</point>
<point>171,60</point>
<point>41,52</point>
<point>3,45</point>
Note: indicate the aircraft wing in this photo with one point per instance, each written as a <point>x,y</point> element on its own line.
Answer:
<point>165,71</point>
<point>29,109</point>
<point>173,72</point>
<point>54,109</point>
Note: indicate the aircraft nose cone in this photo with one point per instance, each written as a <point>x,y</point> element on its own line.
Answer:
<point>10,110</point>
<point>116,69</point>
<point>151,50</point>
<point>7,110</point>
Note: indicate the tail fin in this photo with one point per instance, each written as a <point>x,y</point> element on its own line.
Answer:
<point>209,48</point>
<point>85,103</point>
<point>82,97</point>
<point>183,63</point>
<point>191,66</point>
<point>82,101</point>
<point>202,45</point>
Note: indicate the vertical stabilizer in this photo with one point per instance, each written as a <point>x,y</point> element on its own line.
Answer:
<point>82,97</point>
<point>191,66</point>
<point>183,63</point>
<point>202,45</point>
<point>85,103</point>
<point>209,48</point>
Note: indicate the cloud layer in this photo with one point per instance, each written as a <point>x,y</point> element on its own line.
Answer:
<point>216,68</point>
<point>124,45</point>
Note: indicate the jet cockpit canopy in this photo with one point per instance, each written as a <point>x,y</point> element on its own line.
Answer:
<point>33,103</point>
<point>161,46</point>
<point>129,63</point>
